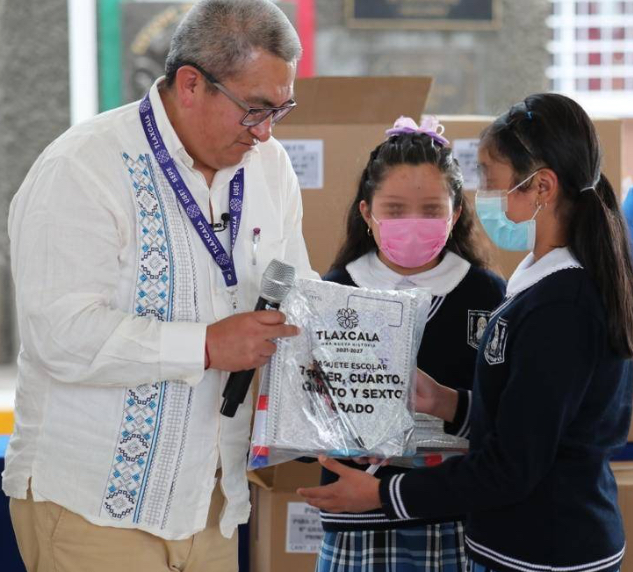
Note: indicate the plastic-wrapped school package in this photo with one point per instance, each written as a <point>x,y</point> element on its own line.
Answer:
<point>345,385</point>
<point>432,444</point>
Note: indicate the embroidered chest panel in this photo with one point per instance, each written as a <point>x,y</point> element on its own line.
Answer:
<point>152,435</point>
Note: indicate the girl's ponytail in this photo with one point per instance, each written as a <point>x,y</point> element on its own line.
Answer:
<point>598,238</point>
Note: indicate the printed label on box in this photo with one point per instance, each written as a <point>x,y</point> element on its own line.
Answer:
<point>465,151</point>
<point>303,528</point>
<point>306,156</point>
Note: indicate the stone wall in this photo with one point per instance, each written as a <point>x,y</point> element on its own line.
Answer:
<point>34,109</point>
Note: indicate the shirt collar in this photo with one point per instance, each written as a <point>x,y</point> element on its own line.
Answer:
<point>369,271</point>
<point>530,272</point>
<point>166,129</point>
<point>177,149</point>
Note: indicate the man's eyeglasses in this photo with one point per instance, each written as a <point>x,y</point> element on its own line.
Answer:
<point>254,115</point>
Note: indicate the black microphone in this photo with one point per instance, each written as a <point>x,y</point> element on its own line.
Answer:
<point>220,226</point>
<point>277,281</point>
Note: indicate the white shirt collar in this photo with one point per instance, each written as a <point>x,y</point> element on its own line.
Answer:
<point>175,146</point>
<point>530,272</point>
<point>166,129</point>
<point>369,271</point>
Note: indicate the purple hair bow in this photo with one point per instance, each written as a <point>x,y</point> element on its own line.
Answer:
<point>429,126</point>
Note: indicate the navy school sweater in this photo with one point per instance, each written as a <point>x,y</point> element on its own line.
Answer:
<point>551,404</point>
<point>447,353</point>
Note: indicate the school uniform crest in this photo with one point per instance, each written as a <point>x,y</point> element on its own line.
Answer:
<point>477,323</point>
<point>495,352</point>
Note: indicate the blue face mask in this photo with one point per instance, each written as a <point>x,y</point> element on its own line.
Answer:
<point>508,235</point>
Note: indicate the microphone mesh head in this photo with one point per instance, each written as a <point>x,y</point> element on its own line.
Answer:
<point>277,281</point>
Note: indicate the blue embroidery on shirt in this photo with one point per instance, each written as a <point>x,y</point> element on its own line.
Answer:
<point>143,404</point>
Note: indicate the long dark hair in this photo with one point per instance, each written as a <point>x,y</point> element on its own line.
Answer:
<point>552,131</point>
<point>411,149</point>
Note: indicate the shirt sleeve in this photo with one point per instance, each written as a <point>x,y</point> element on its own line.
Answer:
<point>68,234</point>
<point>553,355</point>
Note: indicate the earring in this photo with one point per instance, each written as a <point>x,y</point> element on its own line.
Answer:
<point>369,232</point>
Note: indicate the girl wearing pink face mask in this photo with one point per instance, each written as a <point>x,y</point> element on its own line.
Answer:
<point>409,226</point>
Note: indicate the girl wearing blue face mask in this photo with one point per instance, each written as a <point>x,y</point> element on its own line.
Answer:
<point>551,400</point>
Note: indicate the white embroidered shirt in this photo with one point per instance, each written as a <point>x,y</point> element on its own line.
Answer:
<point>116,419</point>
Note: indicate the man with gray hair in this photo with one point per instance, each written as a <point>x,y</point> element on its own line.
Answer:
<point>138,243</point>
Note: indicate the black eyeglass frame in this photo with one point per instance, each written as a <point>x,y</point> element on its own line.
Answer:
<point>261,113</point>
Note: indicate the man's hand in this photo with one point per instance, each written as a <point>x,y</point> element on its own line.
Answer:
<point>243,341</point>
<point>355,491</point>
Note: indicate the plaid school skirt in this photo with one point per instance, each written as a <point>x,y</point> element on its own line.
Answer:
<point>429,548</point>
<point>473,566</point>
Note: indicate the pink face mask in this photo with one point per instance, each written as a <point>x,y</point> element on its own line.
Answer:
<point>412,242</point>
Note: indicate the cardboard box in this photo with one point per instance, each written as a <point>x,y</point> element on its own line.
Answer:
<point>285,532</point>
<point>616,137</point>
<point>623,472</point>
<point>338,121</point>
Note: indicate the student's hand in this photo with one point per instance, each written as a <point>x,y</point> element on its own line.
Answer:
<point>355,491</point>
<point>426,393</point>
<point>243,341</point>
<point>434,398</point>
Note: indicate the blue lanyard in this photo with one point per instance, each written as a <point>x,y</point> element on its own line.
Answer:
<point>189,204</point>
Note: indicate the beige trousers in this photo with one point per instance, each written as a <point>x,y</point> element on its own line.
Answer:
<point>53,539</point>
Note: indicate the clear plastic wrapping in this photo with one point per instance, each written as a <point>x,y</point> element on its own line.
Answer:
<point>432,445</point>
<point>345,385</point>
